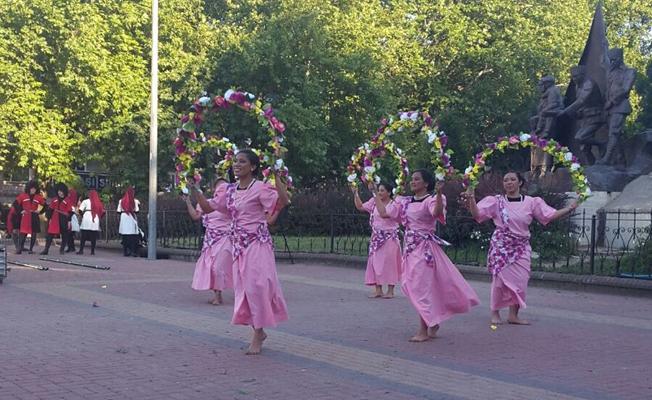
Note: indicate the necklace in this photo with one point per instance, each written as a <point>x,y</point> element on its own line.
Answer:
<point>248,187</point>
<point>514,199</point>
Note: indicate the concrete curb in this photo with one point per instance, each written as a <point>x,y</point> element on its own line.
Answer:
<point>596,283</point>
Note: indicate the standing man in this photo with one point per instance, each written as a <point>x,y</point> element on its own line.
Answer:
<point>619,83</point>
<point>588,107</point>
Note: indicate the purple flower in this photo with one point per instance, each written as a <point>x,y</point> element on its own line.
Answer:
<point>269,113</point>
<point>238,97</point>
<point>492,146</point>
<point>443,140</point>
<point>427,119</point>
<point>185,118</point>
<point>445,158</point>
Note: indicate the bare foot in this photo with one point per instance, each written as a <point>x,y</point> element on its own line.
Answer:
<point>517,321</point>
<point>375,295</point>
<point>217,300</point>
<point>420,337</point>
<point>495,318</point>
<point>256,345</point>
<point>432,331</point>
<point>388,296</point>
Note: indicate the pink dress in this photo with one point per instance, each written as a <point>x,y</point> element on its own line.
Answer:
<point>384,262</point>
<point>509,253</point>
<point>430,280</point>
<point>214,268</point>
<point>258,297</point>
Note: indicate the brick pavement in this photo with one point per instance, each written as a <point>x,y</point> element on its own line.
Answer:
<point>152,337</point>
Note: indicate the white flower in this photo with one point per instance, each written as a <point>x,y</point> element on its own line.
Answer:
<point>524,137</point>
<point>414,116</point>
<point>251,96</point>
<point>228,93</point>
<point>289,178</point>
<point>366,146</point>
<point>399,151</point>
<point>398,181</point>
<point>370,169</point>
<point>431,136</point>
<point>439,176</point>
<point>468,170</point>
<point>226,139</point>
<point>574,167</point>
<point>395,191</point>
<point>278,164</point>
<point>265,158</point>
<point>588,191</point>
<point>404,116</point>
<point>204,100</point>
<point>377,180</point>
<point>185,190</point>
<point>568,156</point>
<point>351,178</point>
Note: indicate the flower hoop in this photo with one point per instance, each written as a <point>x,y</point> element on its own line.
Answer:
<point>424,123</point>
<point>559,153</point>
<point>189,143</point>
<point>366,162</point>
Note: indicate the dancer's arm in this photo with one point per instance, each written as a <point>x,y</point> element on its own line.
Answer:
<point>439,205</point>
<point>471,205</point>
<point>356,199</point>
<point>562,212</point>
<point>194,215</point>
<point>283,197</point>
<point>201,199</point>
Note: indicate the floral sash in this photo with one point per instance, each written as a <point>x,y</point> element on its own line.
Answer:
<point>240,237</point>
<point>505,247</point>
<point>378,236</point>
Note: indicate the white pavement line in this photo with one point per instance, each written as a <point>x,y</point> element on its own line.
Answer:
<point>432,378</point>
<point>534,310</point>
<point>541,311</point>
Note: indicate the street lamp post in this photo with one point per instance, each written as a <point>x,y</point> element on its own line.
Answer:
<point>153,138</point>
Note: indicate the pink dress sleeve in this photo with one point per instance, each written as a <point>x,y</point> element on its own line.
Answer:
<point>218,202</point>
<point>393,210</point>
<point>369,205</point>
<point>268,196</point>
<point>432,203</point>
<point>541,211</point>
<point>487,209</point>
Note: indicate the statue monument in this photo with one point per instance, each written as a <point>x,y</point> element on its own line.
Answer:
<point>544,123</point>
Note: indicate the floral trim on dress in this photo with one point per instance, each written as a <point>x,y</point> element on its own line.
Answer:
<point>505,247</point>
<point>240,237</point>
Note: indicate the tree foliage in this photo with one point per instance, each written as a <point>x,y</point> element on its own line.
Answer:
<point>75,73</point>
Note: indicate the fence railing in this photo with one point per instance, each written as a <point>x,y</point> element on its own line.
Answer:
<point>610,243</point>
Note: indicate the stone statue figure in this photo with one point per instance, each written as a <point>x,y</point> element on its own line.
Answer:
<point>588,110</point>
<point>620,81</point>
<point>543,124</point>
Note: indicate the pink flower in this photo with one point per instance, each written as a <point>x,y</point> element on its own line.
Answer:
<point>246,105</point>
<point>237,97</point>
<point>185,118</point>
<point>513,140</point>
<point>220,102</point>
<point>197,178</point>
<point>269,113</point>
<point>179,167</point>
<point>266,172</point>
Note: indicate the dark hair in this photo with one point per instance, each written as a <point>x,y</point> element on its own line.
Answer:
<point>253,159</point>
<point>388,186</point>
<point>30,185</point>
<point>427,176</point>
<point>519,176</point>
<point>61,187</point>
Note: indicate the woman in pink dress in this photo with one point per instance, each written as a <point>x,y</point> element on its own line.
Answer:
<point>509,251</point>
<point>214,268</point>
<point>384,262</point>
<point>430,280</point>
<point>259,299</point>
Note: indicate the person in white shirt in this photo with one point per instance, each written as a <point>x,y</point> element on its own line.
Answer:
<point>91,210</point>
<point>128,208</point>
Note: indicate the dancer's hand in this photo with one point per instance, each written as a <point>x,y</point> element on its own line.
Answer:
<point>354,189</point>
<point>439,186</point>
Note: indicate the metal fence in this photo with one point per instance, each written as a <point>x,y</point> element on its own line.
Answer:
<point>610,243</point>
